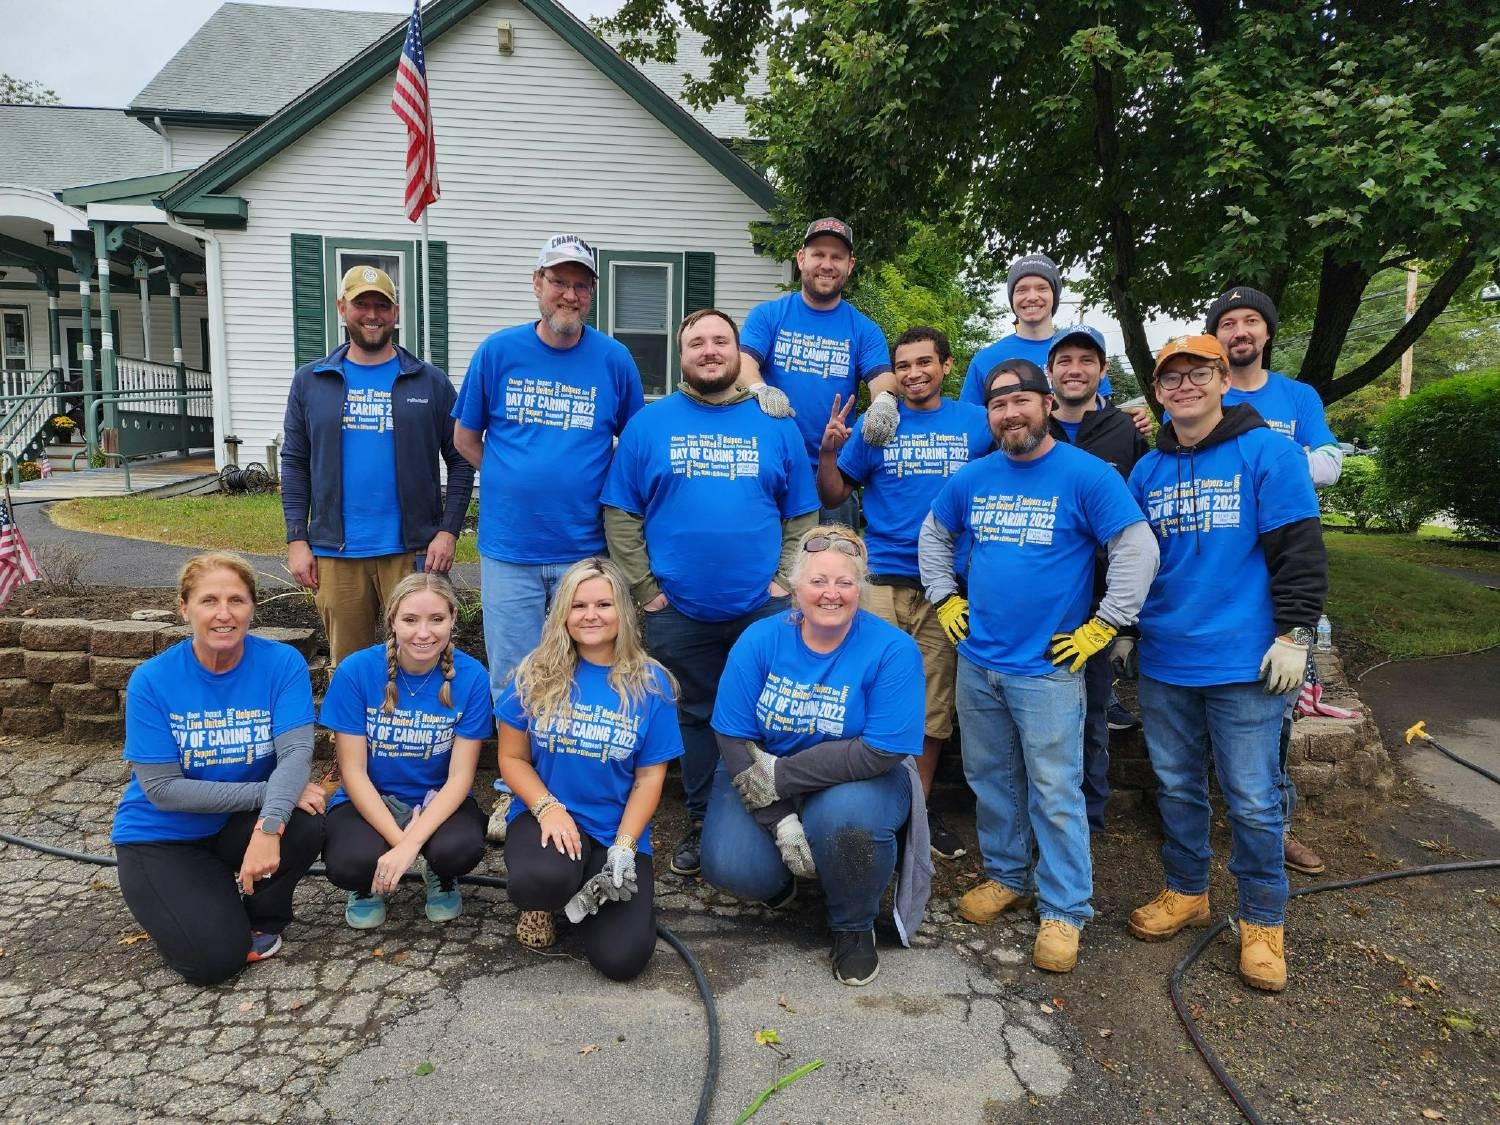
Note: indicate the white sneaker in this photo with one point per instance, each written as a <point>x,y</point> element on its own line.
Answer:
<point>495,830</point>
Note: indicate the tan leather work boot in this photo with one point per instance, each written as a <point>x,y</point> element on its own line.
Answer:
<point>1056,948</point>
<point>1263,956</point>
<point>988,901</point>
<point>1166,915</point>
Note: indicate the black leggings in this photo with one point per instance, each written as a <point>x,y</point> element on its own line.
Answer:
<point>620,939</point>
<point>354,847</point>
<point>185,895</point>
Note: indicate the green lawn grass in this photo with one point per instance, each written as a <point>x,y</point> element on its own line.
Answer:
<point>1382,592</point>
<point>252,524</point>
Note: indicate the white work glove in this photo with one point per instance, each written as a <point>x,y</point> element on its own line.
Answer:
<point>796,852</point>
<point>619,872</point>
<point>772,401</point>
<point>756,785</point>
<point>1283,666</point>
<point>881,420</point>
<point>1123,658</point>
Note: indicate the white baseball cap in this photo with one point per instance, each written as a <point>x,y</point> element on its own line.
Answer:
<point>562,248</point>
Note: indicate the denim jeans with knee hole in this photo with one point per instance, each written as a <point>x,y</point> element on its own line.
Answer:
<point>1239,724</point>
<point>852,828</point>
<point>515,597</point>
<point>1023,756</point>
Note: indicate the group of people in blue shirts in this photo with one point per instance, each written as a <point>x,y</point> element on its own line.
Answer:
<point>682,580</point>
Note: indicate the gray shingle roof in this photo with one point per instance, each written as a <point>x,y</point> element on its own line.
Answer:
<point>53,146</point>
<point>254,58</point>
<point>725,120</point>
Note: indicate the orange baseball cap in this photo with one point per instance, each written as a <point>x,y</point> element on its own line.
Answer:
<point>1200,347</point>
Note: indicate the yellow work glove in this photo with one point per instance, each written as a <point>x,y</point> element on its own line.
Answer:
<point>953,616</point>
<point>1090,637</point>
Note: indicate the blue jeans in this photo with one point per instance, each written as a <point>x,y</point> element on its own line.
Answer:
<point>1023,756</point>
<point>515,597</point>
<point>695,652</point>
<point>1239,724</point>
<point>846,513</point>
<point>1098,693</point>
<point>852,828</point>
<point>1284,782</point>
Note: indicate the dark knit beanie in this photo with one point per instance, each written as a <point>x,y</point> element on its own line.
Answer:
<point>1034,265</point>
<point>1242,297</point>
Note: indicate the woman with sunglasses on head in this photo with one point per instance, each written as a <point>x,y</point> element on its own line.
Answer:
<point>819,717</point>
<point>408,716</point>
<point>588,724</point>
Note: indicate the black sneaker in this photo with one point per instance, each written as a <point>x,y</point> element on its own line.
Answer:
<point>685,859</point>
<point>1120,719</point>
<point>945,842</point>
<point>855,961</point>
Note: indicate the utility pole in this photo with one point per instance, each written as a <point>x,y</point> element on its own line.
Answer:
<point>1411,308</point>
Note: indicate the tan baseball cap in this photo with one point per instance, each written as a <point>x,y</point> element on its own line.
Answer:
<point>1199,347</point>
<point>366,279</point>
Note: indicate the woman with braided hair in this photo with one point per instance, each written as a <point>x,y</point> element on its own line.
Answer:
<point>408,716</point>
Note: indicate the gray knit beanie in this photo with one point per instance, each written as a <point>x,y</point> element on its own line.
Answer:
<point>1034,265</point>
<point>1242,297</point>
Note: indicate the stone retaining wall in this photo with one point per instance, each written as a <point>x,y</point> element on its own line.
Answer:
<point>68,675</point>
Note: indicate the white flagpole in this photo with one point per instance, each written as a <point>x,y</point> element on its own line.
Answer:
<point>426,304</point>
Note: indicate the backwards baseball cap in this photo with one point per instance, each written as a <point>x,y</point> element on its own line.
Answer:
<point>366,279</point>
<point>1242,297</point>
<point>1034,265</point>
<point>1012,375</point>
<point>1079,334</point>
<point>836,227</point>
<point>1199,347</point>
<point>562,248</point>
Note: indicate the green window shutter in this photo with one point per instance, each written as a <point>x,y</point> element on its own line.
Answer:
<point>600,281</point>
<point>308,340</point>
<point>437,293</point>
<point>698,281</point>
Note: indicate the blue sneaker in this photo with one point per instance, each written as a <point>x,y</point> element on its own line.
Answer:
<point>364,912</point>
<point>262,946</point>
<point>442,906</point>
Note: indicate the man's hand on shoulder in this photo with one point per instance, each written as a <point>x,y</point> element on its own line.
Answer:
<point>1140,417</point>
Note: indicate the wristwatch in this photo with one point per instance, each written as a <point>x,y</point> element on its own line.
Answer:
<point>270,825</point>
<point>1304,636</point>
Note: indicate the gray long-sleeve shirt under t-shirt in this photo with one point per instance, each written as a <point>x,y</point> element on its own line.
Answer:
<point>170,791</point>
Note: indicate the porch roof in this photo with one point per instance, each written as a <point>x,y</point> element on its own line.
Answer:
<point>54,146</point>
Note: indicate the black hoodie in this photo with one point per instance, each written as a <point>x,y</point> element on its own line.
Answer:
<point>1294,552</point>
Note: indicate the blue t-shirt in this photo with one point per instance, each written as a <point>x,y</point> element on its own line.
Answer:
<point>1207,619</point>
<point>780,693</point>
<point>902,479</point>
<point>1069,428</point>
<point>693,471</point>
<point>408,750</point>
<point>1290,408</point>
<point>1014,346</point>
<point>812,355</point>
<point>218,727</point>
<point>372,511</point>
<point>1036,526</point>
<point>588,759</point>
<point>549,420</point>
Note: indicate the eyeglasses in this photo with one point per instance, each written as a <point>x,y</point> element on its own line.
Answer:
<point>581,289</point>
<point>840,543</point>
<point>1198,376</point>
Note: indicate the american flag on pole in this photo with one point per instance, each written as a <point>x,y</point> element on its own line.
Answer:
<point>17,567</point>
<point>411,104</point>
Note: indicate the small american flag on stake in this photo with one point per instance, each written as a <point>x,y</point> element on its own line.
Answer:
<point>43,465</point>
<point>17,567</point>
<point>411,104</point>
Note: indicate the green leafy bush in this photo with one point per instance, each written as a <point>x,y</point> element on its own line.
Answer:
<point>1440,450</point>
<point>1363,494</point>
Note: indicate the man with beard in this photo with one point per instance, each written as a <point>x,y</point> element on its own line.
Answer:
<point>1244,321</point>
<point>803,349</point>
<point>1037,511</point>
<point>935,439</point>
<point>364,430</point>
<point>538,414</point>
<point>1083,418</point>
<point>704,505</point>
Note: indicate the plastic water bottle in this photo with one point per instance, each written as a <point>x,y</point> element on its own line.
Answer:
<point>1325,634</point>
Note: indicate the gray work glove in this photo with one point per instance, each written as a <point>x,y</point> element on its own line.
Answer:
<point>881,420</point>
<point>619,873</point>
<point>772,401</point>
<point>1123,658</point>
<point>757,784</point>
<point>796,852</point>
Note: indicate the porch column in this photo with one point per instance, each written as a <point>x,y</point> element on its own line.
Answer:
<point>54,335</point>
<point>142,273</point>
<point>83,264</point>
<point>175,290</point>
<point>107,378</point>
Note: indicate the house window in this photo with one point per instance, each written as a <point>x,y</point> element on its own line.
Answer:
<point>17,347</point>
<point>641,318</point>
<point>394,257</point>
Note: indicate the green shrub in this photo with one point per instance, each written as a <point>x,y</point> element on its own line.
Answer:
<point>1363,494</point>
<point>1440,450</point>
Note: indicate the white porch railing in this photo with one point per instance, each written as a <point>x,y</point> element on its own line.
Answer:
<point>140,375</point>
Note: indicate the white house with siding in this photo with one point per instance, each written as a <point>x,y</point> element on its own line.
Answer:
<point>541,127</point>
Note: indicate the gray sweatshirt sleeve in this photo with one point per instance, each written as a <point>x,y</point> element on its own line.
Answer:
<point>736,755</point>
<point>1133,559</point>
<point>935,559</point>
<point>829,763</point>
<point>1326,464</point>
<point>168,790</point>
